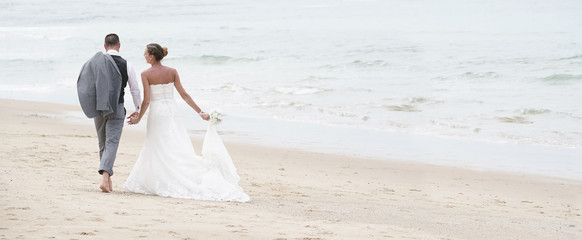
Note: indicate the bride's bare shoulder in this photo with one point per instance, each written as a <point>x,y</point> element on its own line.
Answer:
<point>170,69</point>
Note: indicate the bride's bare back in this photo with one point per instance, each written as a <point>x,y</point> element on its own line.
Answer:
<point>159,75</point>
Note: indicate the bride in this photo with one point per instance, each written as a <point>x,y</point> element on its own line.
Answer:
<point>168,164</point>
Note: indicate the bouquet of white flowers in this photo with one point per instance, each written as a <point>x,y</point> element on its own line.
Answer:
<point>215,117</point>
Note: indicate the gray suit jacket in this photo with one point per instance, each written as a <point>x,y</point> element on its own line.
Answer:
<point>99,86</point>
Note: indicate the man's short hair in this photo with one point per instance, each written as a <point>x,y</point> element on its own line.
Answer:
<point>111,40</point>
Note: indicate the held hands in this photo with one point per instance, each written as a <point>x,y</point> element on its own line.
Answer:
<point>133,118</point>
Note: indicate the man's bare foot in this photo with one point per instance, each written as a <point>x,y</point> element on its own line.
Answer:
<point>106,183</point>
<point>105,187</point>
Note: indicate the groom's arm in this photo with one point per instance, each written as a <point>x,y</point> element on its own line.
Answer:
<point>133,87</point>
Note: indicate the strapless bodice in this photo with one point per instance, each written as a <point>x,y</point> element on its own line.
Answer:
<point>162,91</point>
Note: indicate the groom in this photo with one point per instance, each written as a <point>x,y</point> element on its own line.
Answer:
<point>100,87</point>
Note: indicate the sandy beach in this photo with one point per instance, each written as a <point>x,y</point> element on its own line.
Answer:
<point>49,190</point>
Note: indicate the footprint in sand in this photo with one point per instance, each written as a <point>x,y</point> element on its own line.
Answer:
<point>96,219</point>
<point>242,230</point>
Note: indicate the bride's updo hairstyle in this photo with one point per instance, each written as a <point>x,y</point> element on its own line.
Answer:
<point>157,51</point>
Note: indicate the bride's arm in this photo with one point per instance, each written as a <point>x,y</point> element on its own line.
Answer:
<point>145,103</point>
<point>187,97</point>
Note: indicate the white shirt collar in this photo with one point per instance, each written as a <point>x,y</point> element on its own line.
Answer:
<point>112,52</point>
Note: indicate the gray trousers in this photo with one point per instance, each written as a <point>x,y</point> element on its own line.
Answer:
<point>109,132</point>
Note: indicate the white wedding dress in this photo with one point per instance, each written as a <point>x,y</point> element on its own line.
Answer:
<point>168,165</point>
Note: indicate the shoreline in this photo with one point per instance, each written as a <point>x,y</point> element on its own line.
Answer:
<point>472,154</point>
<point>50,189</point>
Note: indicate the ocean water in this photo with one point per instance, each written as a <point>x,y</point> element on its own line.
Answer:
<point>492,85</point>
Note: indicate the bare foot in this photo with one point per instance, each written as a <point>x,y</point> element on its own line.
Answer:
<point>106,183</point>
<point>105,187</point>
